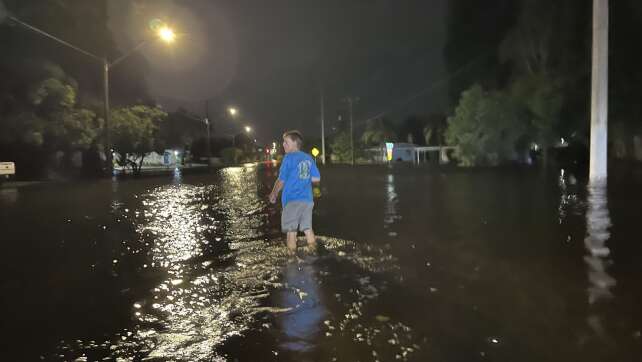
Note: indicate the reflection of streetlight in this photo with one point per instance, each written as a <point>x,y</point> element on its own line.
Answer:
<point>163,33</point>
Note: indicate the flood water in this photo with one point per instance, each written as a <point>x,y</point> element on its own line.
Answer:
<point>416,264</point>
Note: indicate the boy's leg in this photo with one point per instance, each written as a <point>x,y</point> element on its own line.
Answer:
<point>289,225</point>
<point>291,241</point>
<point>306,225</point>
<point>311,238</point>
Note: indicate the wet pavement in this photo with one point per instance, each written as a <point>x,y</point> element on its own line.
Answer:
<point>416,264</point>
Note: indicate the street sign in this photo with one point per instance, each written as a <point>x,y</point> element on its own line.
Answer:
<point>389,148</point>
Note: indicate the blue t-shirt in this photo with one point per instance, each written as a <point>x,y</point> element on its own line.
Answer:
<point>296,172</point>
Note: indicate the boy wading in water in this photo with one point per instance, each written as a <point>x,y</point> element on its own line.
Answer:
<point>297,173</point>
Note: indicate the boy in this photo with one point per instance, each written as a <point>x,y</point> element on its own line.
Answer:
<point>297,173</point>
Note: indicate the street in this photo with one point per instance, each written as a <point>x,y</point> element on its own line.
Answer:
<point>416,264</point>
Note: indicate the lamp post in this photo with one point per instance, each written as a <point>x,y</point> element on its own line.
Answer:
<point>164,33</point>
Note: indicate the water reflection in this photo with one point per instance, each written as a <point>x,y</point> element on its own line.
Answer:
<point>569,196</point>
<point>201,304</point>
<point>301,296</point>
<point>8,195</point>
<point>598,223</point>
<point>391,214</point>
<point>177,176</point>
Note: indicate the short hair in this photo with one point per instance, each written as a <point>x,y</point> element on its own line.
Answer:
<point>295,136</point>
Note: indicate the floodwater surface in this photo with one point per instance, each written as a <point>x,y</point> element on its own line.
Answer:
<point>415,264</point>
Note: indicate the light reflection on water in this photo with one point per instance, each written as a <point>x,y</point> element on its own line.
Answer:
<point>598,223</point>
<point>391,213</point>
<point>209,248</point>
<point>200,304</point>
<point>9,195</point>
<point>597,260</point>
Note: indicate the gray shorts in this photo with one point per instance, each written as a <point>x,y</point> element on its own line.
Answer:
<point>297,215</point>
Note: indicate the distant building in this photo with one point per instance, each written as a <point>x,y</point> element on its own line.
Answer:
<point>408,152</point>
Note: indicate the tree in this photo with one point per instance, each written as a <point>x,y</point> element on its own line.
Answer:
<point>488,128</point>
<point>378,131</point>
<point>341,147</point>
<point>135,134</point>
<point>542,98</point>
<point>412,130</point>
<point>65,127</point>
<point>42,116</point>
<point>435,129</point>
<point>232,155</point>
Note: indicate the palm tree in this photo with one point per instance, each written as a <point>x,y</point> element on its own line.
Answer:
<point>378,131</point>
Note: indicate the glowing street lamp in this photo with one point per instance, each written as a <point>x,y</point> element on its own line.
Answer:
<point>248,129</point>
<point>233,111</point>
<point>167,34</point>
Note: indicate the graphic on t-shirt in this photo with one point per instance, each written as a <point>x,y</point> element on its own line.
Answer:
<point>304,169</point>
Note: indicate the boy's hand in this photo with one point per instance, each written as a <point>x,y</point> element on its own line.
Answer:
<point>273,197</point>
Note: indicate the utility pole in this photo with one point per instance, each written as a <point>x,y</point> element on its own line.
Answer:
<point>599,92</point>
<point>322,128</point>
<point>351,102</point>
<point>207,122</point>
<point>109,153</point>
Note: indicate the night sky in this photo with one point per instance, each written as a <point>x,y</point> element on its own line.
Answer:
<point>271,58</point>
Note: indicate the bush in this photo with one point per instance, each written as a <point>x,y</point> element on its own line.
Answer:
<point>231,155</point>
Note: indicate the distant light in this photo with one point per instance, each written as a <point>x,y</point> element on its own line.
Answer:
<point>248,129</point>
<point>175,153</point>
<point>315,152</point>
<point>562,140</point>
<point>167,34</point>
<point>233,111</point>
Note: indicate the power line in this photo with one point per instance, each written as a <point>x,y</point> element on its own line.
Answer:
<point>431,87</point>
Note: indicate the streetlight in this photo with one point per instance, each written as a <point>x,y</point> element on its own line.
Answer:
<point>167,34</point>
<point>164,33</point>
<point>248,129</point>
<point>233,111</point>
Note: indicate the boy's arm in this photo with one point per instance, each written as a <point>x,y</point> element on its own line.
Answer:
<point>315,174</point>
<point>278,185</point>
<point>280,181</point>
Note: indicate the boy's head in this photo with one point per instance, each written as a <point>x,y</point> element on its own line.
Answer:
<point>292,141</point>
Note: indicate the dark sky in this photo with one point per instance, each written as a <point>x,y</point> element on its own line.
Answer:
<point>270,58</point>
